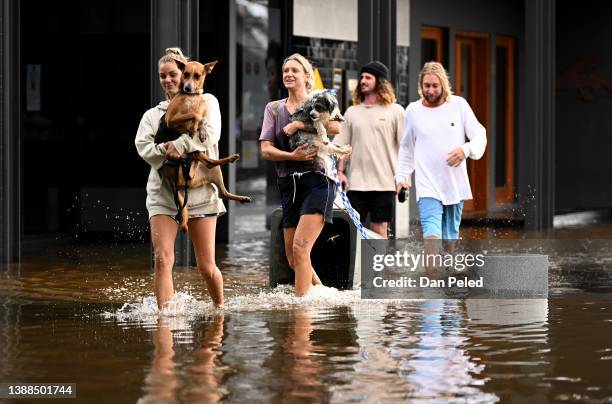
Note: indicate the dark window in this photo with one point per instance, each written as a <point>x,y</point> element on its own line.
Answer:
<point>429,50</point>
<point>501,54</point>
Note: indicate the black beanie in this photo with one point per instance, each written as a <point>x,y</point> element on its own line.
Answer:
<point>378,69</point>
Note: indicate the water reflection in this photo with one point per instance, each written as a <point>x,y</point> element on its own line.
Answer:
<point>435,350</point>
<point>439,364</point>
<point>415,352</point>
<point>248,346</point>
<point>302,367</point>
<point>162,381</point>
<point>372,371</point>
<point>208,370</point>
<point>268,346</point>
<point>197,379</point>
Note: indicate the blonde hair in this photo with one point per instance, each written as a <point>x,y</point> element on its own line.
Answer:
<point>307,69</point>
<point>384,90</point>
<point>437,70</point>
<point>174,55</point>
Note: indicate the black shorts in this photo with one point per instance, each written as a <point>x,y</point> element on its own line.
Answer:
<point>379,204</point>
<point>306,194</point>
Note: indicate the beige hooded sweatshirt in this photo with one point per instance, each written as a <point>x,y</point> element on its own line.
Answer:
<point>160,200</point>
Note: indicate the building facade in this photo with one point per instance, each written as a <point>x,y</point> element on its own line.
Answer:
<point>77,76</point>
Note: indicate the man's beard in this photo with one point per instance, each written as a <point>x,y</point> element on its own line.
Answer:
<point>365,90</point>
<point>433,99</point>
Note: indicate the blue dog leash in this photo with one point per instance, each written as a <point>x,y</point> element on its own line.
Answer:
<point>347,204</point>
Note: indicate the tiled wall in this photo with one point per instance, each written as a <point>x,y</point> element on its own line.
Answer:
<point>327,54</point>
<point>402,84</point>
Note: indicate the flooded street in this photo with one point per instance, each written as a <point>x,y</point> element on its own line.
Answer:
<point>85,314</point>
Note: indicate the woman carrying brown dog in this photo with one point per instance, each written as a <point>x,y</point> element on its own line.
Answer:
<point>204,204</point>
<point>307,195</point>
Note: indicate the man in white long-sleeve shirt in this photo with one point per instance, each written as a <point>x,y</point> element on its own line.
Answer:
<point>434,146</point>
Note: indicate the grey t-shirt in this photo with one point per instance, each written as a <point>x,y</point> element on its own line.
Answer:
<point>276,117</point>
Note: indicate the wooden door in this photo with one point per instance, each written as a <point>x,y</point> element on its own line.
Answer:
<point>432,44</point>
<point>504,120</point>
<point>472,83</point>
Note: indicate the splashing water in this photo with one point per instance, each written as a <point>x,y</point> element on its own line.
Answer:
<point>182,305</point>
<point>280,298</point>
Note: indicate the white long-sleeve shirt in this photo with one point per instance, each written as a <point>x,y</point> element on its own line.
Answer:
<point>430,133</point>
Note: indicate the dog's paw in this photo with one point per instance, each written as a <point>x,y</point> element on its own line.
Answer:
<point>202,135</point>
<point>346,149</point>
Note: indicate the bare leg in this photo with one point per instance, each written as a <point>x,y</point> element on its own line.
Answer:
<point>163,234</point>
<point>202,232</point>
<point>306,233</point>
<point>289,234</point>
<point>380,228</point>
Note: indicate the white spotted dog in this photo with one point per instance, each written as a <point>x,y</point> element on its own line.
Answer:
<point>320,108</point>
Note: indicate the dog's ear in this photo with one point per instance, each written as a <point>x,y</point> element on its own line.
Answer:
<point>331,97</point>
<point>209,66</point>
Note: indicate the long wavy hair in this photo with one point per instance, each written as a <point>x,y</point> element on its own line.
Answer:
<point>438,70</point>
<point>384,90</point>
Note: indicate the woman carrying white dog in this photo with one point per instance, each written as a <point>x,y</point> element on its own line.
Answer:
<point>204,203</point>
<point>306,193</point>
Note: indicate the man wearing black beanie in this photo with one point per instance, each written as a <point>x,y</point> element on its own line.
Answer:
<point>377,69</point>
<point>373,127</point>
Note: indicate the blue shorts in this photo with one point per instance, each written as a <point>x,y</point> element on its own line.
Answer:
<point>441,221</point>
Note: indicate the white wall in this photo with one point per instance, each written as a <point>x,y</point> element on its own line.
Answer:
<point>337,19</point>
<point>403,22</point>
<point>329,19</point>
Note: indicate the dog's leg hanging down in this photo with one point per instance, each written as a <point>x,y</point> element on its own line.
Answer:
<point>182,214</point>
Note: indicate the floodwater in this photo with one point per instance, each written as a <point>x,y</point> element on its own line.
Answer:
<point>85,314</point>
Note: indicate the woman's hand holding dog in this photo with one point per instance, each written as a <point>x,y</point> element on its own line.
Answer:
<point>171,152</point>
<point>293,127</point>
<point>299,154</point>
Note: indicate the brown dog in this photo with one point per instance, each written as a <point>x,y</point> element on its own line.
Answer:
<point>187,108</point>
<point>185,114</point>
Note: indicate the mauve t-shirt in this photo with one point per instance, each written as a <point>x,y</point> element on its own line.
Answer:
<point>272,130</point>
